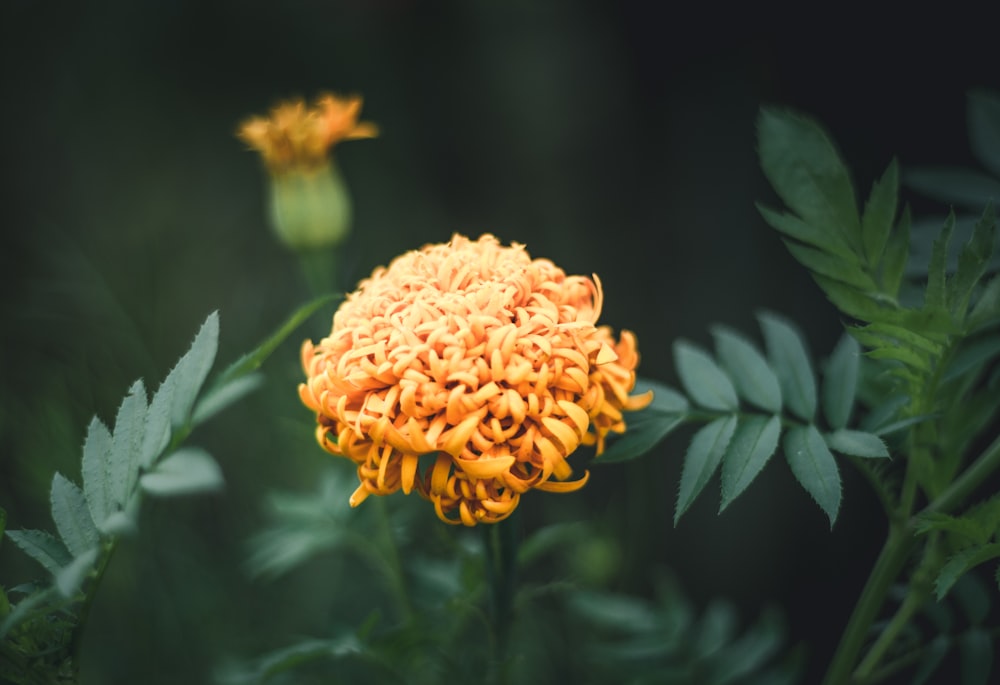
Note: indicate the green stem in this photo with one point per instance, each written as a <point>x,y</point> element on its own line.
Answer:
<point>107,551</point>
<point>391,550</point>
<point>887,567</point>
<point>982,468</point>
<point>501,541</point>
<point>319,268</point>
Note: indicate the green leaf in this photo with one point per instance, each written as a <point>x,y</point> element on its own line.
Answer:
<point>814,467</point>
<point>703,380</point>
<point>221,396</point>
<point>880,214</point>
<point>72,518</point>
<point>71,577</point>
<point>972,262</point>
<point>900,424</point>
<point>975,649</point>
<point>187,376</point>
<point>844,270</point>
<point>969,529</point>
<point>951,185</point>
<point>806,171</point>
<point>840,381</point>
<point>753,444</point>
<point>787,353</point>
<point>932,657</point>
<point>750,373</point>
<point>896,334</point>
<point>97,470</point>
<point>126,446</point>
<point>643,432</point>
<point>936,296</point>
<point>252,360</point>
<point>961,563</point>
<point>983,108</point>
<point>38,603</point>
<point>186,471</point>
<point>896,255</point>
<point>666,400</point>
<point>157,431</point>
<point>42,547</point>
<point>702,459</point>
<point>987,309</point>
<point>972,356</point>
<point>793,227</point>
<point>857,444</point>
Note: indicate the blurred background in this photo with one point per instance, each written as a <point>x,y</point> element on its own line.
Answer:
<point>610,137</point>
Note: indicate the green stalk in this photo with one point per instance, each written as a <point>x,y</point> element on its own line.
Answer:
<point>887,567</point>
<point>982,468</point>
<point>107,551</point>
<point>500,541</point>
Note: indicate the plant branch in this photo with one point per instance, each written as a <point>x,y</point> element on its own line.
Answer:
<point>982,468</point>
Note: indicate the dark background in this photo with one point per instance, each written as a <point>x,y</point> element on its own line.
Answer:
<point>611,137</point>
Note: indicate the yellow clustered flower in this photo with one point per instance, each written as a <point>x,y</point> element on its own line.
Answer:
<point>483,359</point>
<point>296,137</point>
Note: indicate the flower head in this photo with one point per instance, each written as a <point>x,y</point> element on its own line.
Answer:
<point>298,138</point>
<point>310,206</point>
<point>469,372</point>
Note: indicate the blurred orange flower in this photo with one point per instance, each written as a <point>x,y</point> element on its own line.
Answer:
<point>485,363</point>
<point>298,138</point>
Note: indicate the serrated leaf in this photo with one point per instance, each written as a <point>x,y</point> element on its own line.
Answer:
<point>936,294</point>
<point>71,577</point>
<point>806,171</point>
<point>900,424</point>
<point>43,547</point>
<point>753,444</point>
<point>643,432</point>
<point>987,308</point>
<point>808,234</point>
<point>702,459</point>
<point>96,469</point>
<point>910,338</point>
<point>844,270</point>
<point>961,563</point>
<point>814,467</point>
<point>896,254</point>
<point>787,353</point>
<point>188,375</point>
<point>221,396</point>
<point>750,373</point>
<point>702,378</point>
<point>666,400</point>
<point>126,446</point>
<point>35,604</point>
<point>904,355</point>
<point>952,185</point>
<point>72,517</point>
<point>962,526</point>
<point>972,262</point>
<point>865,306</point>
<point>252,360</point>
<point>972,356</point>
<point>857,444</point>
<point>840,382</point>
<point>157,431</point>
<point>880,213</point>
<point>983,111</point>
<point>186,471</point>
<point>975,650</point>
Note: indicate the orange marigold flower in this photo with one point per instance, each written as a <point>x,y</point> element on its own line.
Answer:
<point>298,138</point>
<point>484,362</point>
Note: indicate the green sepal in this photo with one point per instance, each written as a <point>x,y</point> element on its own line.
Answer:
<point>814,467</point>
<point>702,378</point>
<point>749,371</point>
<point>787,354</point>
<point>701,460</point>
<point>753,444</point>
<point>840,381</point>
